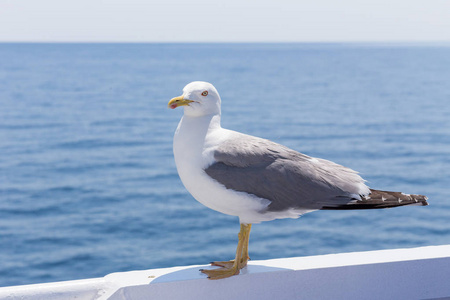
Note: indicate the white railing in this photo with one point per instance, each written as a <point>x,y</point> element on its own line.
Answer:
<point>418,273</point>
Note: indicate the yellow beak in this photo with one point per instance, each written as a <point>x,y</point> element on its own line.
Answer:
<point>178,101</point>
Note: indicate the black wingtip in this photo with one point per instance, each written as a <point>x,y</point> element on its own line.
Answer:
<point>382,199</point>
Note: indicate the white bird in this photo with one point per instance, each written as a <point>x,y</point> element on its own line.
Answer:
<point>256,179</point>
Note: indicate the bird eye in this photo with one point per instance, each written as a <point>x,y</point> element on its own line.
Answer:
<point>205,93</point>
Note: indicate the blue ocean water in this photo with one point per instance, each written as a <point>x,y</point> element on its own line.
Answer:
<point>88,185</point>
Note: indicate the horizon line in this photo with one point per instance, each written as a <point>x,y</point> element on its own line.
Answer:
<point>390,42</point>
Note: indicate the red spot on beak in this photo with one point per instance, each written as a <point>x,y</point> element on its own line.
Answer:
<point>173,106</point>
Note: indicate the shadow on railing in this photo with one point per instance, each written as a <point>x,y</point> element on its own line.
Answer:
<point>194,273</point>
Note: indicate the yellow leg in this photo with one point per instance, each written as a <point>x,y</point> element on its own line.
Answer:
<point>244,257</point>
<point>230,268</point>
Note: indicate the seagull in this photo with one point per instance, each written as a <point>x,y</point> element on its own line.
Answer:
<point>256,179</point>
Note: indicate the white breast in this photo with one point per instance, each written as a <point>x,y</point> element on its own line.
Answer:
<point>194,144</point>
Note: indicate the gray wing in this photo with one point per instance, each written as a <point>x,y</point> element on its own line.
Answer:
<point>287,178</point>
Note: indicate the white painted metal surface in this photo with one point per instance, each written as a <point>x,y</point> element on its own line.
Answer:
<point>418,273</point>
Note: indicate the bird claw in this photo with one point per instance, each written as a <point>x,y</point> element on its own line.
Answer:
<point>221,273</point>
<point>223,264</point>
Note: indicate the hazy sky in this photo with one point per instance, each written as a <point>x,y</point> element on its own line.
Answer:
<point>224,20</point>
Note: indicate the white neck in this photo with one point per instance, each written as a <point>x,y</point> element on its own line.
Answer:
<point>191,138</point>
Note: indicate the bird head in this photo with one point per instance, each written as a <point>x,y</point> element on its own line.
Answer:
<point>199,99</point>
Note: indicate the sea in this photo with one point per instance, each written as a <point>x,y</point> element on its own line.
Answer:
<point>88,183</point>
